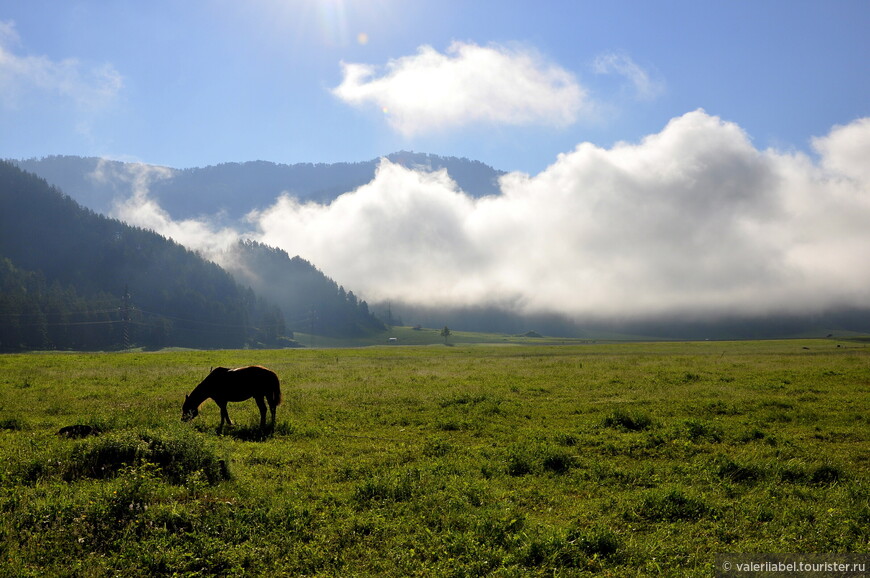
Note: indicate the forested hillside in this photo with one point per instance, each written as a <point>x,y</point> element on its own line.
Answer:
<point>73,279</point>
<point>311,301</point>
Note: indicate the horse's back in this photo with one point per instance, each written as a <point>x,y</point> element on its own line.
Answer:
<point>253,370</point>
<point>256,380</point>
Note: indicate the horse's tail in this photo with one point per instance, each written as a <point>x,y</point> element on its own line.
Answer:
<point>276,394</point>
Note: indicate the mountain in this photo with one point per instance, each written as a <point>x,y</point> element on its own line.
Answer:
<point>311,301</point>
<point>73,279</point>
<point>234,189</point>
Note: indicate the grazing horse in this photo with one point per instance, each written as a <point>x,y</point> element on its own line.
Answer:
<point>224,385</point>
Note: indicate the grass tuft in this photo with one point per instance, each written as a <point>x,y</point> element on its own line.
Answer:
<point>557,461</point>
<point>395,487</point>
<point>11,424</point>
<point>728,469</point>
<point>625,421</point>
<point>672,506</point>
<point>176,456</point>
<point>595,541</point>
<point>826,475</point>
<point>700,431</point>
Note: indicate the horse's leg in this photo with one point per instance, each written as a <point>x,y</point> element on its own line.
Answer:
<point>225,417</point>
<point>261,403</point>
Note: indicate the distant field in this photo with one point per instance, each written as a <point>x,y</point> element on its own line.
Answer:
<point>620,459</point>
<point>428,336</point>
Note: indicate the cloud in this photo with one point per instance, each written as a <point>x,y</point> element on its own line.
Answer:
<point>8,34</point>
<point>692,222</point>
<point>644,86</point>
<point>87,88</point>
<point>138,208</point>
<point>846,150</point>
<point>430,91</point>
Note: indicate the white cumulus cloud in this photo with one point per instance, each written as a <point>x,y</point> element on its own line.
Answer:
<point>846,150</point>
<point>430,91</point>
<point>691,221</point>
<point>88,87</point>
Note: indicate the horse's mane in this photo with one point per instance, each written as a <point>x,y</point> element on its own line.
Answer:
<point>199,393</point>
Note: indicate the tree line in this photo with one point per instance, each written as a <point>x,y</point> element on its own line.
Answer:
<point>311,301</point>
<point>73,279</point>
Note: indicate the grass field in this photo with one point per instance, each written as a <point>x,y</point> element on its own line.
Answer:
<point>426,336</point>
<point>514,460</point>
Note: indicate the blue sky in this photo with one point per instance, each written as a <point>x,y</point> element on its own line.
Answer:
<point>512,84</point>
<point>671,158</point>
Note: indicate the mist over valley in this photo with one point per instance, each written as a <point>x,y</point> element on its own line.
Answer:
<point>691,232</point>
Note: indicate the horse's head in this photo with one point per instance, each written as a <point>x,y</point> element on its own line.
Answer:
<point>201,392</point>
<point>188,409</point>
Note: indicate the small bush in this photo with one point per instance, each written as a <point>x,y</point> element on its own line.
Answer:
<point>175,456</point>
<point>181,456</point>
<point>105,456</point>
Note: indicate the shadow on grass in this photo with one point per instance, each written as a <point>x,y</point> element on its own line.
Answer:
<point>253,432</point>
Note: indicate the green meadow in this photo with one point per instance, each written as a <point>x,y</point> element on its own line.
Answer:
<point>629,459</point>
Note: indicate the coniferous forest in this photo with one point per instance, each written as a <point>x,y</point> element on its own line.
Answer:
<point>73,279</point>
<point>311,301</point>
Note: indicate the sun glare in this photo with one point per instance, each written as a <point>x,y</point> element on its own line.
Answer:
<point>331,23</point>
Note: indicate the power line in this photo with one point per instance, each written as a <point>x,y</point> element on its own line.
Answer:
<point>65,313</point>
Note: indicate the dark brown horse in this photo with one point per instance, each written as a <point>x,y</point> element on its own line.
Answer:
<point>224,385</point>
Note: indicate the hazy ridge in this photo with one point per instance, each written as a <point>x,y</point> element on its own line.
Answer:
<point>75,279</point>
<point>227,192</point>
<point>235,188</point>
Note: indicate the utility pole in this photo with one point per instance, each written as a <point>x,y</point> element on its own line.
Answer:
<point>125,317</point>
<point>312,319</point>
